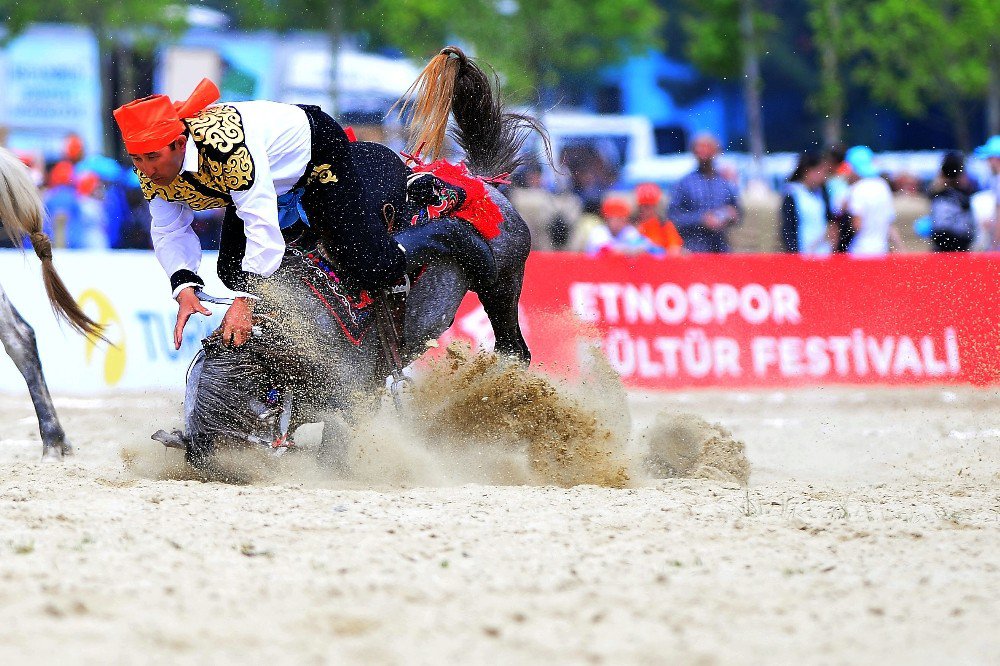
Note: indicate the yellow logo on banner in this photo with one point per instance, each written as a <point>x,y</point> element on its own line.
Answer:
<point>107,316</point>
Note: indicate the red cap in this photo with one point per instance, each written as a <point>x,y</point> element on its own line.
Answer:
<point>61,174</point>
<point>615,207</point>
<point>648,194</point>
<point>151,123</point>
<point>73,148</point>
<point>87,183</point>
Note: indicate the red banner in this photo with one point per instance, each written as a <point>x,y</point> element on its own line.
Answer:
<point>762,320</point>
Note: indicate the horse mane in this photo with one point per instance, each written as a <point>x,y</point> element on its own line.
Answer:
<point>22,213</point>
<point>491,136</point>
<point>227,381</point>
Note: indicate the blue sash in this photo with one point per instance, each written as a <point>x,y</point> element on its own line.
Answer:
<point>290,208</point>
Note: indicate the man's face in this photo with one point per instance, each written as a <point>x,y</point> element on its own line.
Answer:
<point>705,150</point>
<point>162,166</point>
<point>995,164</point>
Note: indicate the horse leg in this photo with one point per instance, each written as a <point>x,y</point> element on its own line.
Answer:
<point>19,340</point>
<point>500,302</point>
<point>431,306</point>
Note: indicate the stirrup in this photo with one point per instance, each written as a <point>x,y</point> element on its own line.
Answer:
<point>437,197</point>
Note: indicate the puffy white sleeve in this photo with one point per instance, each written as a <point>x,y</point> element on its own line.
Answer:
<point>176,245</point>
<point>257,206</point>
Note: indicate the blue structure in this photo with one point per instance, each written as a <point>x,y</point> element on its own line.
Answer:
<point>678,100</point>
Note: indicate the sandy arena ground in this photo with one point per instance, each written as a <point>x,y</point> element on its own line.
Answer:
<point>869,533</point>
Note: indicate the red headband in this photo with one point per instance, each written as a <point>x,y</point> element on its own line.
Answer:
<point>151,123</point>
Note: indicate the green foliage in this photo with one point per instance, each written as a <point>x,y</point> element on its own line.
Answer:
<point>531,43</point>
<point>105,18</point>
<point>914,53</point>
<point>712,32</point>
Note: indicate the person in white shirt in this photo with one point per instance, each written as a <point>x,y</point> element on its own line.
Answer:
<point>990,151</point>
<point>869,203</point>
<point>271,166</point>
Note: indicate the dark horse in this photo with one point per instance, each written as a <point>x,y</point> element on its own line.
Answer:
<point>21,213</point>
<point>316,348</point>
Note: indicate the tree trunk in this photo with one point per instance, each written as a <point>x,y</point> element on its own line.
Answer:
<point>106,58</point>
<point>993,94</point>
<point>751,88</point>
<point>959,122</point>
<point>335,29</point>
<point>831,85</point>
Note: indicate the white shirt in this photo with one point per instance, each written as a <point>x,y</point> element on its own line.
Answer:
<point>812,224</point>
<point>628,241</point>
<point>280,143</point>
<point>870,201</point>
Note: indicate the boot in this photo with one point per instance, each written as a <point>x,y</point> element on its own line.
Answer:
<point>449,237</point>
<point>437,197</point>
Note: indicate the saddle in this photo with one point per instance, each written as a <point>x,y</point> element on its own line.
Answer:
<point>383,177</point>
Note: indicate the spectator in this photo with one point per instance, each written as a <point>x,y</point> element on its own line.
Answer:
<point>869,206</point>
<point>650,221</point>
<point>953,227</point>
<point>805,223</point>
<point>90,230</point>
<point>990,151</point>
<point>705,205</point>
<point>618,235</point>
<point>61,204</point>
<point>550,217</point>
<point>583,229</point>
<point>836,197</point>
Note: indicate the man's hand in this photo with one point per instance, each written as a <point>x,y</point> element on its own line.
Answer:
<point>187,305</point>
<point>712,221</point>
<point>238,322</point>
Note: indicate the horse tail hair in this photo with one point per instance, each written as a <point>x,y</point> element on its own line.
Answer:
<point>22,213</point>
<point>491,136</point>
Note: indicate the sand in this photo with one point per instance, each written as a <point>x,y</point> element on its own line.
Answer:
<point>869,533</point>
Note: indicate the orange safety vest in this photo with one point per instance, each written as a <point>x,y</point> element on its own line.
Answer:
<point>662,233</point>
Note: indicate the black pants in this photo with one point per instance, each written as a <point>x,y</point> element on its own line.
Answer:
<point>353,232</point>
<point>943,241</point>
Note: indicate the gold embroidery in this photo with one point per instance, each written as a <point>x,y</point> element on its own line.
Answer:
<point>220,127</point>
<point>224,162</point>
<point>322,173</point>
<point>180,191</point>
<point>239,170</point>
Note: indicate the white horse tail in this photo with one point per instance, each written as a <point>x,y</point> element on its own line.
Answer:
<point>22,213</point>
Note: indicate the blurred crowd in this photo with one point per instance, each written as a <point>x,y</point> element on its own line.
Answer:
<point>93,202</point>
<point>834,202</point>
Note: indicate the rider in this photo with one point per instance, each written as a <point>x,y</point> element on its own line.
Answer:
<point>272,165</point>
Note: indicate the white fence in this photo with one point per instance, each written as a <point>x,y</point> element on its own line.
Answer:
<point>126,291</point>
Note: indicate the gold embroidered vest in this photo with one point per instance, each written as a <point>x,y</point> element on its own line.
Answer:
<point>224,162</point>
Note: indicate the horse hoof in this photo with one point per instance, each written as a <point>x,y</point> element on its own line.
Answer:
<point>52,454</point>
<point>56,452</point>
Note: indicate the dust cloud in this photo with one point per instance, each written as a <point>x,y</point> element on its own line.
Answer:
<point>479,417</point>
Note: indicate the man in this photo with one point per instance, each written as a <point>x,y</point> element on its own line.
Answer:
<point>870,206</point>
<point>272,166</point>
<point>990,151</point>
<point>705,205</point>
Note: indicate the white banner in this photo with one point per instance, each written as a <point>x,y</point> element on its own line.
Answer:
<point>129,293</point>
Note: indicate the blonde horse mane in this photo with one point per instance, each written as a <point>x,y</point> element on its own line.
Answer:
<point>22,214</point>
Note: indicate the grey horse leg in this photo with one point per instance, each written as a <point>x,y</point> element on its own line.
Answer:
<point>500,302</point>
<point>431,306</point>
<point>19,340</point>
<point>500,299</point>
